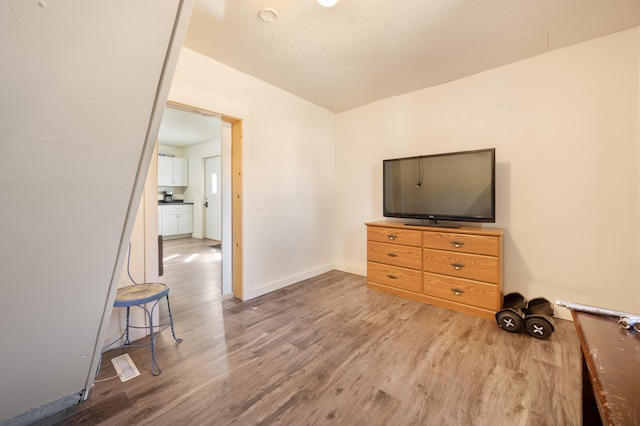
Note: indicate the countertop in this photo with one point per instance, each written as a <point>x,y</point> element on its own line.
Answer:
<point>162,202</point>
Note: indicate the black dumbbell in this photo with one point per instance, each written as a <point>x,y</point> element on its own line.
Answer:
<point>510,318</point>
<point>538,318</point>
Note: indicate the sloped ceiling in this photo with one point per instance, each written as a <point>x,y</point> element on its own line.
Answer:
<point>360,51</point>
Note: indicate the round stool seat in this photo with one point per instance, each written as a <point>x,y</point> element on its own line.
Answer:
<point>139,294</point>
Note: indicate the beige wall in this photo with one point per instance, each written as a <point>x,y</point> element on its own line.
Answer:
<point>565,127</point>
<point>288,168</point>
<point>76,129</point>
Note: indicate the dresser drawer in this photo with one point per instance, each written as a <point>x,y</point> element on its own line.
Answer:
<point>395,254</point>
<point>477,244</point>
<point>395,276</point>
<point>471,266</point>
<point>462,291</point>
<point>396,236</point>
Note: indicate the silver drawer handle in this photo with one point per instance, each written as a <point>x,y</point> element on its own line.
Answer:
<point>392,236</point>
<point>457,244</point>
<point>457,266</point>
<point>393,277</point>
<point>457,291</point>
<point>392,255</point>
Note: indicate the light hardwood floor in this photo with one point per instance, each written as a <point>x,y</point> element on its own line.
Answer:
<point>330,351</point>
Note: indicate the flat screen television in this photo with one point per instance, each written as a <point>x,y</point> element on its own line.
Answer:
<point>456,186</point>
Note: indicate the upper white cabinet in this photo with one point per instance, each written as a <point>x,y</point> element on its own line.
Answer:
<point>173,171</point>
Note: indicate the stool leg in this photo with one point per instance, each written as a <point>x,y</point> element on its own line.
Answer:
<point>126,330</point>
<point>173,333</point>
<point>155,368</point>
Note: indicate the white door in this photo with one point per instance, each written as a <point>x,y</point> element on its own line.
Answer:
<point>213,198</point>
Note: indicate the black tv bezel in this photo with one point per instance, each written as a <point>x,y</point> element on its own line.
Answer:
<point>433,218</point>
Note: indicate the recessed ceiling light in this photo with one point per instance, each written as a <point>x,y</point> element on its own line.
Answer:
<point>268,15</point>
<point>328,3</point>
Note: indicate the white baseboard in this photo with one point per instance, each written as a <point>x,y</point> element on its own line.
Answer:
<point>277,285</point>
<point>351,269</point>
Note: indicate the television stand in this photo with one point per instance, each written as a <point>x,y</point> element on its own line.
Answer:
<point>459,269</point>
<point>434,224</point>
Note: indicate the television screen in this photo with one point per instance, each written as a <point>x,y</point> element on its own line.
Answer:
<point>456,186</point>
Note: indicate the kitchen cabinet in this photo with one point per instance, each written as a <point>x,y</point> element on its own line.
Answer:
<point>176,219</point>
<point>173,171</point>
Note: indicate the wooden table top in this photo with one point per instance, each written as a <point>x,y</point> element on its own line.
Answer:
<point>612,355</point>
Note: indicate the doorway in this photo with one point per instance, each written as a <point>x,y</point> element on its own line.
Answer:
<point>231,196</point>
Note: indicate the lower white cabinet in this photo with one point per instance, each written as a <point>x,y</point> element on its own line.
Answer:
<point>176,219</point>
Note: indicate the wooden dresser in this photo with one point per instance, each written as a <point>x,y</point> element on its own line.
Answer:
<point>455,268</point>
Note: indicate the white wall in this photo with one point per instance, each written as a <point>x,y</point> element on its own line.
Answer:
<point>565,128</point>
<point>288,166</point>
<point>74,119</point>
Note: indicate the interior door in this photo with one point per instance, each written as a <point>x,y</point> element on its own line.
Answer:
<point>213,200</point>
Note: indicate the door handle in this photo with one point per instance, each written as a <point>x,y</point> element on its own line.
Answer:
<point>206,204</point>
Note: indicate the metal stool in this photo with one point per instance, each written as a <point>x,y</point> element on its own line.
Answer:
<point>139,295</point>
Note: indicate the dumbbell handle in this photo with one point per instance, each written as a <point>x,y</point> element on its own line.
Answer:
<point>630,322</point>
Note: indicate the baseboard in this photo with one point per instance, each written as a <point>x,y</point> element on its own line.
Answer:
<point>43,411</point>
<point>277,285</point>
<point>351,270</point>
<point>175,237</point>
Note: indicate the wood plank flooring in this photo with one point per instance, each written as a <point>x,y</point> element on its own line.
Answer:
<point>328,351</point>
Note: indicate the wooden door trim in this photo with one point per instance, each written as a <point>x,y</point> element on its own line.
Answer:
<point>236,205</point>
<point>236,191</point>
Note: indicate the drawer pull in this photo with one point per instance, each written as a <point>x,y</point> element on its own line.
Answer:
<point>457,244</point>
<point>457,291</point>
<point>457,266</point>
<point>392,236</point>
<point>393,277</point>
<point>392,255</point>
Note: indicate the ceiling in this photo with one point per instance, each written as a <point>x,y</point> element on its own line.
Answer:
<point>180,128</point>
<point>360,51</point>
